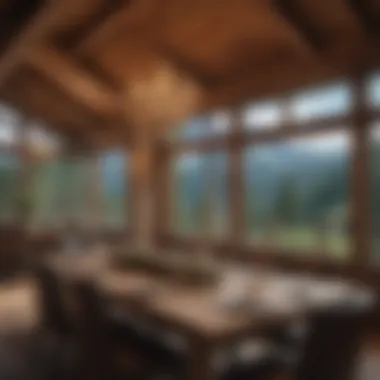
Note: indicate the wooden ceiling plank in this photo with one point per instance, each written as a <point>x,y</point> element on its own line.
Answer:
<point>43,21</point>
<point>367,16</point>
<point>109,25</point>
<point>64,72</point>
<point>302,24</point>
<point>98,17</point>
<point>268,82</point>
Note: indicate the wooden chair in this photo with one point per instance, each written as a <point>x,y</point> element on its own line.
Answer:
<point>55,342</point>
<point>108,349</point>
<point>333,344</point>
<point>54,314</point>
<point>329,352</point>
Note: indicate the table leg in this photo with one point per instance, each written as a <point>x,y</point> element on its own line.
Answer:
<point>201,367</point>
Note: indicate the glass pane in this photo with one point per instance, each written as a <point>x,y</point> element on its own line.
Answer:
<point>376,190</point>
<point>297,194</point>
<point>217,194</point>
<point>42,143</point>
<point>374,91</point>
<point>45,192</point>
<point>202,127</point>
<point>324,102</point>
<point>8,122</point>
<point>9,177</point>
<point>60,191</point>
<point>113,167</point>
<point>262,116</point>
<point>189,194</point>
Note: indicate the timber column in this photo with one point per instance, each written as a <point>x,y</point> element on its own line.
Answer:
<point>142,196</point>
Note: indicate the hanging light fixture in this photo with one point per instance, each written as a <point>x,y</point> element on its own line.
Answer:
<point>161,97</point>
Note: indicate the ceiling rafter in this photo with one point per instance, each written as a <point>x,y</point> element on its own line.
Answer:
<point>81,86</point>
<point>32,33</point>
<point>302,24</point>
<point>35,91</point>
<point>105,29</point>
<point>368,18</point>
<point>71,39</point>
<point>269,82</point>
<point>51,119</point>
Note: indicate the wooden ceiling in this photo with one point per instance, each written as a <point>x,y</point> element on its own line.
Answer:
<point>68,62</point>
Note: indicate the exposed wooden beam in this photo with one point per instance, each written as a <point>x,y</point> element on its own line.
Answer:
<point>64,72</point>
<point>268,81</point>
<point>201,76</point>
<point>369,19</point>
<point>13,17</point>
<point>96,16</point>
<point>35,96</point>
<point>43,21</point>
<point>106,29</point>
<point>303,25</point>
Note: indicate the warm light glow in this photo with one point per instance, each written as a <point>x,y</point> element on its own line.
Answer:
<point>161,98</point>
<point>41,144</point>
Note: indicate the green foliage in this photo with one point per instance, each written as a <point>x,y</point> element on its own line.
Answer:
<point>287,203</point>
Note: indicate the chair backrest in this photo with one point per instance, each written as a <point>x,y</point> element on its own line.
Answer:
<point>332,344</point>
<point>51,303</point>
<point>93,321</point>
<point>95,342</point>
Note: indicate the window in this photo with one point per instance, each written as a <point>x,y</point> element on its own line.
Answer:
<point>217,194</point>
<point>333,100</point>
<point>45,194</point>
<point>189,194</point>
<point>374,91</point>
<point>376,189</point>
<point>8,126</point>
<point>200,195</point>
<point>297,194</point>
<point>202,127</point>
<point>114,189</point>
<point>261,116</point>
<point>59,192</point>
<point>9,179</point>
<point>72,189</point>
<point>41,143</point>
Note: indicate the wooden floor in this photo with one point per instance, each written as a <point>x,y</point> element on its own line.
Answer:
<point>19,321</point>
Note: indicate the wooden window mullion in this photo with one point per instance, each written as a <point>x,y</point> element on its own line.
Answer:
<point>361,205</point>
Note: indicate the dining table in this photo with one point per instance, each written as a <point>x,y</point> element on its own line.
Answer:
<point>243,303</point>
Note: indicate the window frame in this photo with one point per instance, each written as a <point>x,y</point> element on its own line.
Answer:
<point>356,121</point>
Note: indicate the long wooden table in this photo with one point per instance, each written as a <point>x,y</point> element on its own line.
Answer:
<point>195,313</point>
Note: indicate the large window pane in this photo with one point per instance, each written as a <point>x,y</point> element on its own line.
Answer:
<point>8,126</point>
<point>189,194</point>
<point>261,116</point>
<point>374,91</point>
<point>59,192</point>
<point>113,167</point>
<point>46,193</point>
<point>41,143</point>
<point>333,100</point>
<point>9,189</point>
<point>376,190</point>
<point>200,193</point>
<point>217,194</point>
<point>202,127</point>
<point>297,194</point>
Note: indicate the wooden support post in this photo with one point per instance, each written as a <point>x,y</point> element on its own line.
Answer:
<point>162,190</point>
<point>94,191</point>
<point>127,191</point>
<point>142,168</point>
<point>236,182</point>
<point>25,173</point>
<point>361,178</point>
